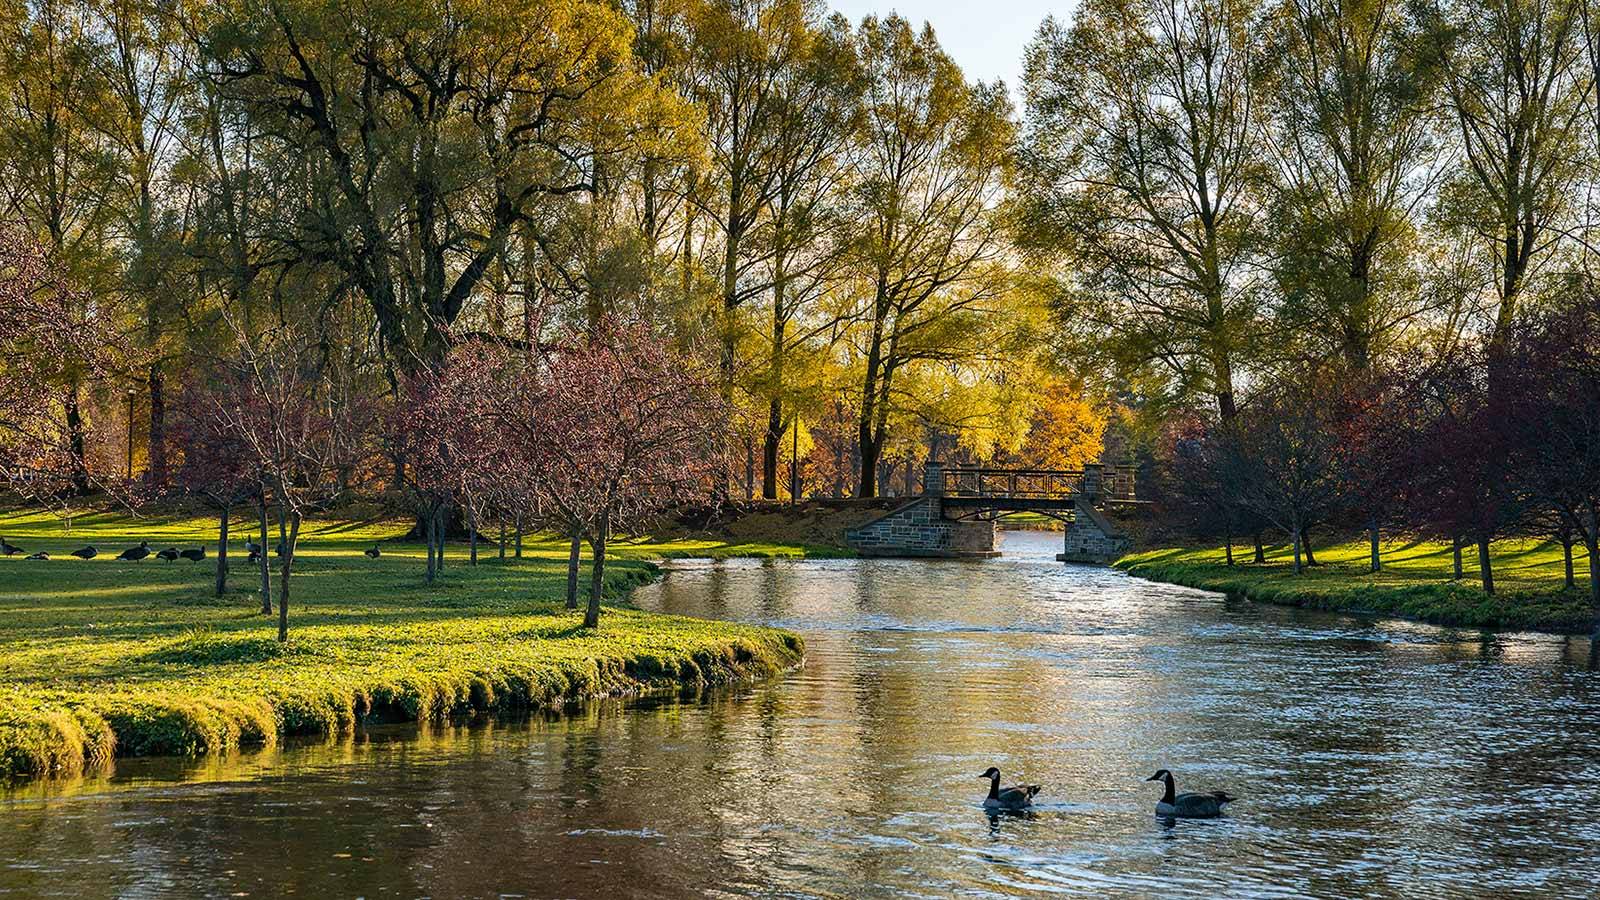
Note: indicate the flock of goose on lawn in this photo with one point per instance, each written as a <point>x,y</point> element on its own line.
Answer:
<point>134,554</point>
<point>1172,805</point>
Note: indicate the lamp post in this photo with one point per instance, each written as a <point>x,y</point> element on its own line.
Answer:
<point>130,434</point>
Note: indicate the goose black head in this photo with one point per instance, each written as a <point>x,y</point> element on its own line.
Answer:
<point>1160,775</point>
<point>991,772</point>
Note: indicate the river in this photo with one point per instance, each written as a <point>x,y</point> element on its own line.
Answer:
<point>1373,759</point>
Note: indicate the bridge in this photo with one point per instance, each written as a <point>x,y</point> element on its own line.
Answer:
<point>956,513</point>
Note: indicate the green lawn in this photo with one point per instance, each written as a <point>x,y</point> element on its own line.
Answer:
<point>1416,582</point>
<point>102,657</point>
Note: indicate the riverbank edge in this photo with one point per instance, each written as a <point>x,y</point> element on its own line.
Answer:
<point>1435,603</point>
<point>65,736</point>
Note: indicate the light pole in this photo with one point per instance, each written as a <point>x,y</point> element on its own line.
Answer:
<point>130,434</point>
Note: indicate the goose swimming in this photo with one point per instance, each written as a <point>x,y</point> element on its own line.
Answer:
<point>1018,797</point>
<point>1190,805</point>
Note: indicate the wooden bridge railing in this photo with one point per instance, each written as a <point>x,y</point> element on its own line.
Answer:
<point>1114,482</point>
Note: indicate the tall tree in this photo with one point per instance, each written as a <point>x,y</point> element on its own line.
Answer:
<point>927,242</point>
<point>1142,161</point>
<point>1358,155</point>
<point>432,133</point>
<point>1517,83</point>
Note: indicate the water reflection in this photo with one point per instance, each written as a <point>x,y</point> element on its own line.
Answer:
<point>1374,759</point>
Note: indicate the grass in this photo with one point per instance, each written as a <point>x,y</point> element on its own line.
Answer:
<point>102,658</point>
<point>1415,583</point>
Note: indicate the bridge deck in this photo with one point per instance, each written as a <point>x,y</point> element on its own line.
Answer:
<point>1035,489</point>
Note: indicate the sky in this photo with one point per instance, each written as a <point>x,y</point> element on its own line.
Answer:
<point>985,37</point>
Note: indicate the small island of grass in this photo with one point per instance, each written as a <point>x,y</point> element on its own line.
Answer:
<point>102,658</point>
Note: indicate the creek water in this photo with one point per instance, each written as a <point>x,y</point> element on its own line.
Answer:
<point>1373,759</point>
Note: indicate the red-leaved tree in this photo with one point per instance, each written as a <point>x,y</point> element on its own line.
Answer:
<point>620,428</point>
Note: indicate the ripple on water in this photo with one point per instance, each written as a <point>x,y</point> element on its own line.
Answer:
<point>1373,759</point>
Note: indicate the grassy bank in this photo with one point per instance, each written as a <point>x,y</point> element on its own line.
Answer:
<point>1415,582</point>
<point>101,658</point>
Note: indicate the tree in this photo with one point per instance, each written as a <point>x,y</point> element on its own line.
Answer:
<point>1141,164</point>
<point>47,338</point>
<point>1551,369</point>
<point>433,132</point>
<point>1358,156</point>
<point>1513,70</point>
<point>1281,457</point>
<point>927,244</point>
<point>213,463</point>
<point>626,428</point>
<point>302,424</point>
<point>58,169</point>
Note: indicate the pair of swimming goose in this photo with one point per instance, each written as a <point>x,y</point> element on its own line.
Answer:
<point>1172,804</point>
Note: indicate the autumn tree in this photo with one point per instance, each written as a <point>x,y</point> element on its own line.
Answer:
<point>301,422</point>
<point>926,246</point>
<point>626,427</point>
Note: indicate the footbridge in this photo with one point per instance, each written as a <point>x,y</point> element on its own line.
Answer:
<point>956,513</point>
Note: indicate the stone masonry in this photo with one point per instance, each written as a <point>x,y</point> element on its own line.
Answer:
<point>919,528</point>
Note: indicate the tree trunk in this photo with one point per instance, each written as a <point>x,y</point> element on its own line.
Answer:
<point>283,576</point>
<point>597,580</point>
<point>438,538</point>
<point>1455,546</point>
<point>1566,558</point>
<point>77,440</point>
<point>472,538</point>
<point>519,535</point>
<point>1591,542</point>
<point>1227,545</point>
<point>222,550</point>
<point>266,573</point>
<point>1261,552</point>
<point>155,469</point>
<point>1305,542</point>
<point>1372,540</point>
<point>770,445</point>
<point>1298,535</point>
<point>1485,568</point>
<point>427,538</point>
<point>572,568</point>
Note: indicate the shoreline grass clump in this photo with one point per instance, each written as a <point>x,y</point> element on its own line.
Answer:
<point>102,658</point>
<point>1415,583</point>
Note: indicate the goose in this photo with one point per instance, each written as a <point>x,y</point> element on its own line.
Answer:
<point>86,552</point>
<point>8,548</point>
<point>1018,797</point>
<point>136,553</point>
<point>1190,805</point>
<point>169,554</point>
<point>196,555</point>
<point>371,554</point>
<point>280,550</point>
<point>254,548</point>
<point>40,555</point>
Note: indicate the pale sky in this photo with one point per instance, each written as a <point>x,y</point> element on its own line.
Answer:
<point>985,37</point>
